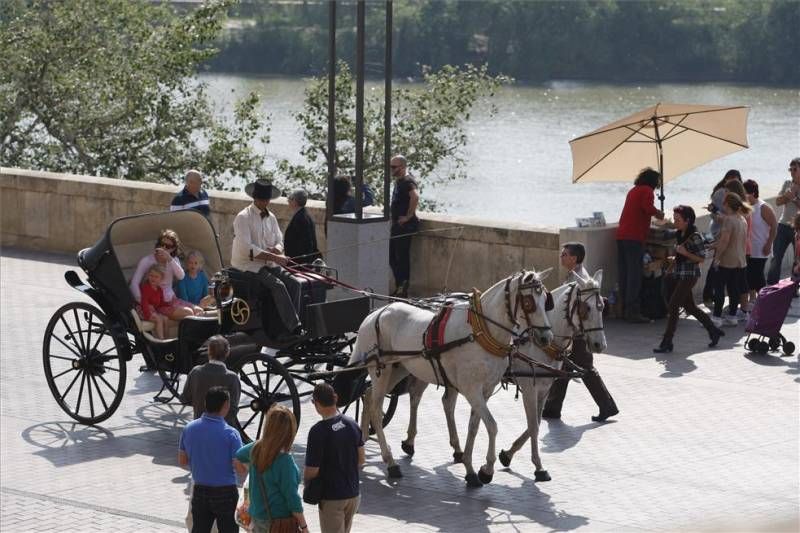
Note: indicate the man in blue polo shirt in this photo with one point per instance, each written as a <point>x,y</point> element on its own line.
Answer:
<point>208,445</point>
<point>192,196</point>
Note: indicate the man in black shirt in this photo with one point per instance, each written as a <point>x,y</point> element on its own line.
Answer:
<point>404,223</point>
<point>300,237</point>
<point>335,454</point>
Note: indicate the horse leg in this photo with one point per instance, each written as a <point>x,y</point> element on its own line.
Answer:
<point>380,386</point>
<point>526,387</point>
<point>534,415</point>
<point>472,431</point>
<point>486,472</point>
<point>449,400</point>
<point>416,387</point>
<point>506,456</point>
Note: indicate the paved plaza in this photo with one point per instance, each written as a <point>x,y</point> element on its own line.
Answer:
<point>707,440</point>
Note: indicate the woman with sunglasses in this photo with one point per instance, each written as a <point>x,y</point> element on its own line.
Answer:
<point>682,276</point>
<point>166,252</point>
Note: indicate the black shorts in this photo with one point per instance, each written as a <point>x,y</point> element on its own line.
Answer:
<point>755,273</point>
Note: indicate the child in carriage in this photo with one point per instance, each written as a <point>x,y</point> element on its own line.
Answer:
<point>193,288</point>
<point>165,254</point>
<point>152,306</point>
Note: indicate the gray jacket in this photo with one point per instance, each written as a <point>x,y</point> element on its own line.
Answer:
<point>203,377</point>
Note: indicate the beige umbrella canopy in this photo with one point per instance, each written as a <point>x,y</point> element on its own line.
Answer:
<point>686,136</point>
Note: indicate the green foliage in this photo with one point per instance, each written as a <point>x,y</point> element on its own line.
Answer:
<point>427,126</point>
<point>617,40</point>
<point>107,87</point>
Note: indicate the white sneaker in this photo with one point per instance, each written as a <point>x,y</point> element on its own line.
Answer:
<point>717,321</point>
<point>730,321</point>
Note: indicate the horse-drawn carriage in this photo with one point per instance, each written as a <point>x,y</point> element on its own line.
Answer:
<point>87,346</point>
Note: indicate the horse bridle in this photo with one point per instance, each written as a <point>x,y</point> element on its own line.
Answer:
<point>580,307</point>
<point>526,302</point>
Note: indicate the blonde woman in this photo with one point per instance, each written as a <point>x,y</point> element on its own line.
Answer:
<point>273,468</point>
<point>730,259</point>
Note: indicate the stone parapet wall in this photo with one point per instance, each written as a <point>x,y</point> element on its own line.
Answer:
<point>65,213</point>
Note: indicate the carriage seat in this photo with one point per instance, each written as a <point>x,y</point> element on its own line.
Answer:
<point>146,327</point>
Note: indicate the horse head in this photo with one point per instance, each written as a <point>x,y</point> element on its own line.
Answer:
<point>531,302</point>
<point>585,310</point>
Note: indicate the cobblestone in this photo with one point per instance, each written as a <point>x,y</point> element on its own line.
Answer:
<point>706,440</point>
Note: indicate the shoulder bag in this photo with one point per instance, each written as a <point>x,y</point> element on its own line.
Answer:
<point>277,525</point>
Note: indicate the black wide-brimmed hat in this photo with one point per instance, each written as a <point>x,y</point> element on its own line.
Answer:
<point>262,190</point>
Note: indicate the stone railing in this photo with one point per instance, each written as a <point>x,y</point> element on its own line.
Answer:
<point>65,213</point>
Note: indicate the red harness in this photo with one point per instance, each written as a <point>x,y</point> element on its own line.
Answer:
<point>433,339</point>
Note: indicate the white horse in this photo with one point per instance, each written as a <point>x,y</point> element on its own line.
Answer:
<point>577,310</point>
<point>390,340</point>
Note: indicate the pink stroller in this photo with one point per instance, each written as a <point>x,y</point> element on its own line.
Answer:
<point>767,317</point>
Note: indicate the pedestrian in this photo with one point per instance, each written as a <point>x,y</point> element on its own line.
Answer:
<point>796,264</point>
<point>274,476</point>
<point>343,201</point>
<point>730,259</point>
<point>300,237</point>
<point>405,223</point>
<point>682,276</point>
<point>762,231</point>
<point>208,446</point>
<point>789,200</point>
<point>634,225</point>
<point>214,373</point>
<point>737,187</point>
<point>572,256</point>
<point>335,455</point>
<point>192,196</point>
<point>715,210</point>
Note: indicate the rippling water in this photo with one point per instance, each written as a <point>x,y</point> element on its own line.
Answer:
<point>519,160</point>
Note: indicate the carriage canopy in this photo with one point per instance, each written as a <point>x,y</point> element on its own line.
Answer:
<point>110,263</point>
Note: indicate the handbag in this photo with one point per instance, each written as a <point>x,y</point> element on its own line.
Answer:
<point>312,491</point>
<point>278,525</point>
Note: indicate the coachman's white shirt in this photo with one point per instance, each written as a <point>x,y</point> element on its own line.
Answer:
<point>251,232</point>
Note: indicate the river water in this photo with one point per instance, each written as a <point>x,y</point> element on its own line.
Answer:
<point>519,159</point>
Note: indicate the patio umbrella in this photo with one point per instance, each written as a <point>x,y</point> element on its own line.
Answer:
<point>687,136</point>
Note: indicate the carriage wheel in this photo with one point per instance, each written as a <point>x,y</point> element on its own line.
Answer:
<point>265,382</point>
<point>83,364</point>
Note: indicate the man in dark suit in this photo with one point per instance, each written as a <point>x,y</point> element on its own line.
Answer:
<point>300,237</point>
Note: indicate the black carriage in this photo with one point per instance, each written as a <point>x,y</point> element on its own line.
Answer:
<point>87,345</point>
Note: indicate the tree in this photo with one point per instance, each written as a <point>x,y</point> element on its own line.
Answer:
<point>107,87</point>
<point>427,126</point>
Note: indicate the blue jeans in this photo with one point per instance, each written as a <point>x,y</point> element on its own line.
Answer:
<point>783,239</point>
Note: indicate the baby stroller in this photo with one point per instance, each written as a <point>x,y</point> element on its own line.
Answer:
<point>767,317</point>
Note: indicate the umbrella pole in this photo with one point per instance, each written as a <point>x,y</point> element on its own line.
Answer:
<point>660,151</point>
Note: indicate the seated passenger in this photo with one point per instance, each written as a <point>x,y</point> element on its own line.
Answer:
<point>165,254</point>
<point>258,248</point>
<point>193,288</point>
<point>301,237</point>
<point>152,306</point>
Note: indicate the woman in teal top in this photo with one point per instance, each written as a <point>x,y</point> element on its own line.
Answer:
<point>269,459</point>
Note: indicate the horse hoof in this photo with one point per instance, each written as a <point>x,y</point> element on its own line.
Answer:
<point>505,459</point>
<point>394,471</point>
<point>473,481</point>
<point>458,457</point>
<point>542,475</point>
<point>408,448</point>
<point>484,477</point>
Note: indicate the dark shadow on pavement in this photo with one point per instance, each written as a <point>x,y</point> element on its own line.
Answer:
<point>675,364</point>
<point>44,257</point>
<point>561,436</point>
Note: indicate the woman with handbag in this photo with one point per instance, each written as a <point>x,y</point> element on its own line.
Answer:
<point>275,505</point>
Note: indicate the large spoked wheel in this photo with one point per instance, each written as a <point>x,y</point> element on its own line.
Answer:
<point>84,367</point>
<point>265,382</point>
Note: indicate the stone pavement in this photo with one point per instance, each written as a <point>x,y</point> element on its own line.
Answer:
<point>706,440</point>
